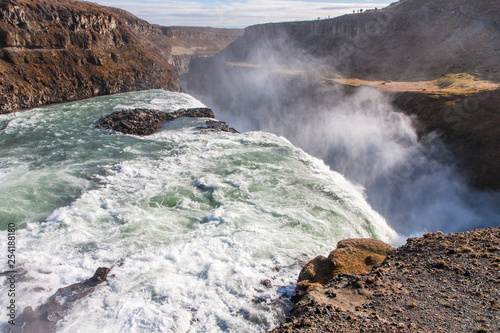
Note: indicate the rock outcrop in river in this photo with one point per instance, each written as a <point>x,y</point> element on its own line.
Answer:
<point>62,50</point>
<point>45,317</point>
<point>146,121</point>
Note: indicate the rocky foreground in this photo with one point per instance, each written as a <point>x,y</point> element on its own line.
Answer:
<point>434,283</point>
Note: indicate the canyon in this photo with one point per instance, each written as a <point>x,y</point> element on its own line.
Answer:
<point>58,51</point>
<point>436,61</point>
<point>433,62</point>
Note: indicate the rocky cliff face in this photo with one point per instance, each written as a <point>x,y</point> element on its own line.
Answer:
<point>55,51</point>
<point>469,124</point>
<point>411,39</point>
<point>182,61</point>
<point>198,36</point>
<point>188,43</point>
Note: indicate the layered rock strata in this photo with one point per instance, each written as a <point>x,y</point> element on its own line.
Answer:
<point>408,40</point>
<point>55,51</point>
<point>188,43</point>
<point>468,123</point>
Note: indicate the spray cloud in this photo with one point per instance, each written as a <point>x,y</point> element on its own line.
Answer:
<point>266,81</point>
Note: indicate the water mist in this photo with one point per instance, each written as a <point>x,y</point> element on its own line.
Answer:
<point>411,181</point>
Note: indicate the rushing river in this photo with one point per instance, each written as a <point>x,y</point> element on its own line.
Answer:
<point>190,222</point>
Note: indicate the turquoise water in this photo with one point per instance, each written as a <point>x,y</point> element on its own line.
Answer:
<point>190,221</point>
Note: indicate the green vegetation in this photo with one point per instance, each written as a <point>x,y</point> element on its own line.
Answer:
<point>446,80</point>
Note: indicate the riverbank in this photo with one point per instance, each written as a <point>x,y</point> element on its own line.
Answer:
<point>58,51</point>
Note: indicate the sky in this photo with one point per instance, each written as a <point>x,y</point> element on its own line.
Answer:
<point>237,13</point>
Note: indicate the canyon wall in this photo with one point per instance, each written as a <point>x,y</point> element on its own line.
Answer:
<point>56,51</point>
<point>408,40</point>
<point>188,43</point>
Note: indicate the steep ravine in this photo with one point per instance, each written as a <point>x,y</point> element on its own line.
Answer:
<point>188,43</point>
<point>56,51</point>
<point>408,40</point>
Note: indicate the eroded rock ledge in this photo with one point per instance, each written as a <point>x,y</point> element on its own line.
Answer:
<point>146,121</point>
<point>352,256</point>
<point>434,283</point>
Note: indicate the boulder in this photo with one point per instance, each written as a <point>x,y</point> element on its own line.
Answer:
<point>217,126</point>
<point>352,256</point>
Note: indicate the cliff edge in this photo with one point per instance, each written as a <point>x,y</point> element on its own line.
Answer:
<point>188,43</point>
<point>62,50</point>
<point>408,40</point>
<point>434,283</point>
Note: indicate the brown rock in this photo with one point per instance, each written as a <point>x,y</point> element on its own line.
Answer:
<point>145,121</point>
<point>352,256</point>
<point>422,299</point>
<point>61,50</point>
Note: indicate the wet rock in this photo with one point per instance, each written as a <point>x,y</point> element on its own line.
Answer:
<point>45,317</point>
<point>217,126</point>
<point>146,121</point>
<point>266,283</point>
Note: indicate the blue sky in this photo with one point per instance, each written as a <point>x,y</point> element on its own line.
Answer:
<point>237,13</point>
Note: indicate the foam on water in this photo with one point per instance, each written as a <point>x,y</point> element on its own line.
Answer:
<point>191,222</point>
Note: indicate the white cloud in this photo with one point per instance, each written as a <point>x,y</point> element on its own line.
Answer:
<point>233,14</point>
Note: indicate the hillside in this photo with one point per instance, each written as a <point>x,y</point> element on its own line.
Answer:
<point>62,50</point>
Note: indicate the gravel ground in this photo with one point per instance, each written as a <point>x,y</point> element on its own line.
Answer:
<point>434,283</point>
